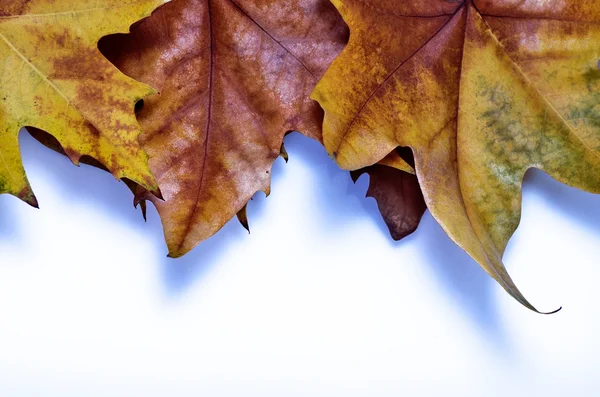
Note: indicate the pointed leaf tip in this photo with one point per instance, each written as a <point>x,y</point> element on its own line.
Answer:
<point>242,217</point>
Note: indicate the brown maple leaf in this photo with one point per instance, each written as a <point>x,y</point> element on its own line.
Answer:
<point>394,185</point>
<point>234,77</point>
<point>481,91</point>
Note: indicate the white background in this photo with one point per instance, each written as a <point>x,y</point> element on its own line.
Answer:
<point>317,301</point>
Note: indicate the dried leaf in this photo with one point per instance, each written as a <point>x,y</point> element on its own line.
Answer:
<point>397,193</point>
<point>242,216</point>
<point>54,78</point>
<point>395,160</point>
<point>481,91</point>
<point>234,77</point>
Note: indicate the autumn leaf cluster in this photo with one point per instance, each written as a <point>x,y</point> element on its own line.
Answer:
<point>444,104</point>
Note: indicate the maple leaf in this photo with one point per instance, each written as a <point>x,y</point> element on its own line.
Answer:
<point>394,185</point>
<point>481,91</point>
<point>234,77</point>
<point>54,78</point>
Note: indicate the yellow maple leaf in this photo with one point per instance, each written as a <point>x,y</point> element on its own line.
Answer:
<point>53,77</point>
<point>481,90</point>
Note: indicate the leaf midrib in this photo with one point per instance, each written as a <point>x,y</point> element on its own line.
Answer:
<point>533,87</point>
<point>210,99</point>
<point>60,13</point>
<point>54,86</point>
<point>35,69</point>
<point>389,76</point>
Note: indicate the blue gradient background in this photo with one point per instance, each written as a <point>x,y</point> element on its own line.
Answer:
<point>317,301</point>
